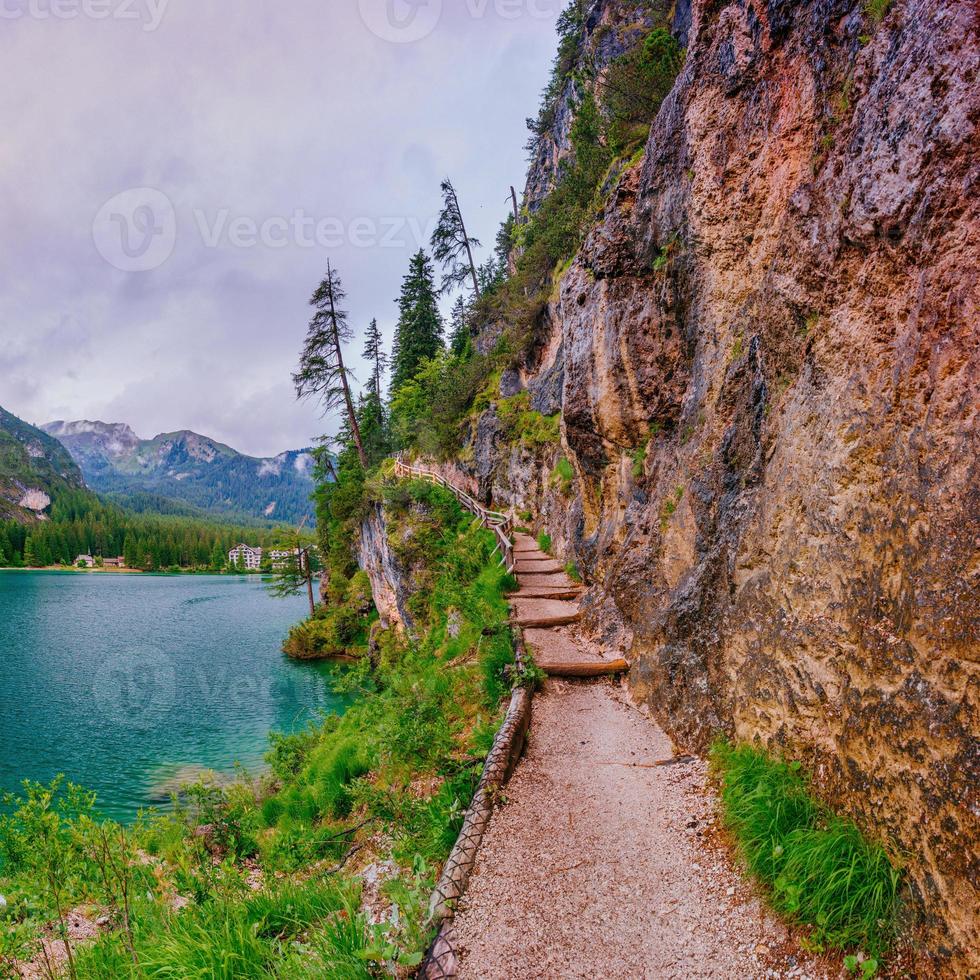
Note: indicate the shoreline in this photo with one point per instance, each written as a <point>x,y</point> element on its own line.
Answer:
<point>131,571</point>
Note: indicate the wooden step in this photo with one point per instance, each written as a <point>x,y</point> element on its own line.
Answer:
<point>537,566</point>
<point>554,580</point>
<point>545,612</point>
<point>547,592</point>
<point>560,653</point>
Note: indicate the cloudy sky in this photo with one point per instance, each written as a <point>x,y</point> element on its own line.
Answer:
<point>174,175</point>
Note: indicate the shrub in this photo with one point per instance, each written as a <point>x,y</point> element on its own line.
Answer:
<point>563,475</point>
<point>817,867</point>
<point>636,84</point>
<point>544,542</point>
<point>522,425</point>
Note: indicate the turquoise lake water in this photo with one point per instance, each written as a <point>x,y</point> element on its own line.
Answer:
<point>121,682</point>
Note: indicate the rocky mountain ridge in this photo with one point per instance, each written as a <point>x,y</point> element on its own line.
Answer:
<point>190,468</point>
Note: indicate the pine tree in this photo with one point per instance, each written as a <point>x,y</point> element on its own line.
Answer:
<point>451,246</point>
<point>321,373</point>
<point>374,353</point>
<point>419,332</point>
<point>460,341</point>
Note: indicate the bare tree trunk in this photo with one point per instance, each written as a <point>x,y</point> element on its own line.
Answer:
<point>466,242</point>
<point>304,556</point>
<point>517,213</point>
<point>351,414</point>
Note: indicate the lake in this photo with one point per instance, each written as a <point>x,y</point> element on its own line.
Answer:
<point>121,682</point>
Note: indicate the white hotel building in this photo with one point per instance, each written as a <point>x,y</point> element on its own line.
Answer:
<point>251,558</point>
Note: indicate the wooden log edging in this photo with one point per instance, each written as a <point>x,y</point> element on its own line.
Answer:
<point>442,961</point>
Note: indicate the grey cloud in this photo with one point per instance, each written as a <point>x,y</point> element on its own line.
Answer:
<point>261,109</point>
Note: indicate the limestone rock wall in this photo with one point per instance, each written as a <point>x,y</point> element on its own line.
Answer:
<point>766,361</point>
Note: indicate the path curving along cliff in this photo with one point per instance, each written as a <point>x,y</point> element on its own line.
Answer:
<point>595,856</point>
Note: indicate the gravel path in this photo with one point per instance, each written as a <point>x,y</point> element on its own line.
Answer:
<point>597,869</point>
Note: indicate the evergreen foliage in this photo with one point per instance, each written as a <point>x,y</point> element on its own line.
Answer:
<point>322,374</point>
<point>460,338</point>
<point>418,335</point>
<point>374,354</point>
<point>81,524</point>
<point>452,247</point>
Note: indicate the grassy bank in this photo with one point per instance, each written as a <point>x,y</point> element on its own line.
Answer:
<point>816,867</point>
<point>264,880</point>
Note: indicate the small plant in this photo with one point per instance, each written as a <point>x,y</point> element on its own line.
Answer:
<point>563,475</point>
<point>738,348</point>
<point>663,256</point>
<point>544,542</point>
<point>670,507</point>
<point>865,968</point>
<point>639,460</point>
<point>876,10</point>
<point>571,570</point>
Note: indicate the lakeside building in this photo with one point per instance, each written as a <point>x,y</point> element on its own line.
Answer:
<point>89,562</point>
<point>281,558</point>
<point>250,558</point>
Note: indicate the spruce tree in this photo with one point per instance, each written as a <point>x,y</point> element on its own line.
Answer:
<point>451,246</point>
<point>322,374</point>
<point>460,341</point>
<point>374,353</point>
<point>419,332</point>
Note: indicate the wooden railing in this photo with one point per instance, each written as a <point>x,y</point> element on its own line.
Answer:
<point>501,525</point>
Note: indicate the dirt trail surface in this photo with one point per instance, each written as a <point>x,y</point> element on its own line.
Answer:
<point>596,865</point>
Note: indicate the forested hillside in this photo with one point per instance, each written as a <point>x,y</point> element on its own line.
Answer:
<point>48,516</point>
<point>33,468</point>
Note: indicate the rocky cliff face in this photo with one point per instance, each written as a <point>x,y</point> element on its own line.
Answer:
<point>766,361</point>
<point>391,583</point>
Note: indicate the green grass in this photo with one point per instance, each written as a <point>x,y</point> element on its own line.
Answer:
<point>404,759</point>
<point>877,9</point>
<point>522,425</point>
<point>563,475</point>
<point>571,570</point>
<point>817,867</point>
<point>544,542</point>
